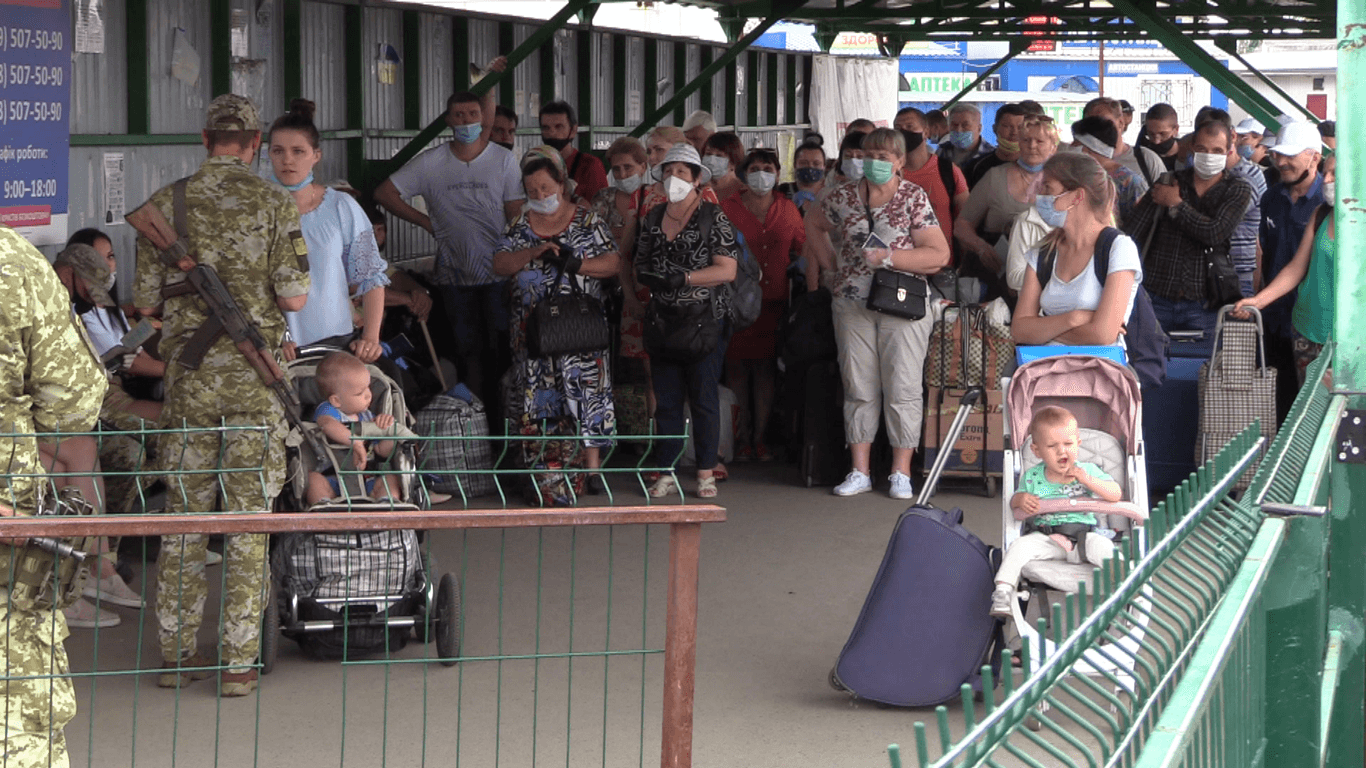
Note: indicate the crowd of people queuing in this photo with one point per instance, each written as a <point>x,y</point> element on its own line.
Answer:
<point>655,230</point>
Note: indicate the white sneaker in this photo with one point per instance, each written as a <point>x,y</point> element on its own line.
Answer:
<point>212,558</point>
<point>1001,599</point>
<point>854,484</point>
<point>901,486</point>
<point>83,615</point>
<point>111,589</point>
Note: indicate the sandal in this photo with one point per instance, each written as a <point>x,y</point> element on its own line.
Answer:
<point>706,487</point>
<point>664,486</point>
<point>719,472</point>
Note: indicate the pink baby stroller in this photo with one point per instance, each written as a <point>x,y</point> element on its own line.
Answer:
<point>1104,397</point>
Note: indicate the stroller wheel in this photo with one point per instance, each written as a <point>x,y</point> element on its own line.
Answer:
<point>270,630</point>
<point>446,620</point>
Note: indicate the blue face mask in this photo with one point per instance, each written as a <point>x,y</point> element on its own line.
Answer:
<point>294,188</point>
<point>1246,151</point>
<point>961,139</point>
<point>1050,215</point>
<point>810,175</point>
<point>1030,168</point>
<point>468,134</point>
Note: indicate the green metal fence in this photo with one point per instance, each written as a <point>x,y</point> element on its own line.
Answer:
<point>1207,688</point>
<point>575,629</point>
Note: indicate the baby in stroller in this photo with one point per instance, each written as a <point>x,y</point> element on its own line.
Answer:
<point>1056,441</point>
<point>344,383</point>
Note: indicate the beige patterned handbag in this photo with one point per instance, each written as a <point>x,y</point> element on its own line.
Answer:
<point>1237,387</point>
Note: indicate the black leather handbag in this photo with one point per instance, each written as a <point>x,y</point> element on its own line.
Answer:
<point>895,293</point>
<point>899,294</point>
<point>1221,280</point>
<point>572,323</point>
<point>681,333</point>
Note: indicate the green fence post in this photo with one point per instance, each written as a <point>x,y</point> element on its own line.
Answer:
<point>1347,586</point>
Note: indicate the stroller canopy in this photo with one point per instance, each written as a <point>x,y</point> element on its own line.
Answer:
<point>1101,393</point>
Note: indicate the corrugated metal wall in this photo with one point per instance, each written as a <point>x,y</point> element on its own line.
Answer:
<point>100,89</point>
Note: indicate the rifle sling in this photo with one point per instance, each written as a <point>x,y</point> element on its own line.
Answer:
<point>192,354</point>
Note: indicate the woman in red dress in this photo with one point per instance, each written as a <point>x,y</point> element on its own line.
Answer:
<point>772,229</point>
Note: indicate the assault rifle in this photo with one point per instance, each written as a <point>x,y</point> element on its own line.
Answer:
<point>224,315</point>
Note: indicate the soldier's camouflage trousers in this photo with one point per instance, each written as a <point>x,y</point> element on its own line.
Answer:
<point>40,703</point>
<point>182,587</point>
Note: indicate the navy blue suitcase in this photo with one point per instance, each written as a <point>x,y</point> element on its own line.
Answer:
<point>1171,418</point>
<point>926,626</point>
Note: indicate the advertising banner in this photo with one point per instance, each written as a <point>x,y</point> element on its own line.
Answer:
<point>35,101</point>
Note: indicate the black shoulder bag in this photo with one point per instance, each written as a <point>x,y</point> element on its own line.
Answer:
<point>893,292</point>
<point>681,333</point>
<point>572,323</point>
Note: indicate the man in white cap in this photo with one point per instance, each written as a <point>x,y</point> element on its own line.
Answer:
<point>1250,145</point>
<point>1287,209</point>
<point>699,127</point>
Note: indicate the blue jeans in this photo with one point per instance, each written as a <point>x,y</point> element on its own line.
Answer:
<point>697,383</point>
<point>478,314</point>
<point>1186,316</point>
<point>1245,280</point>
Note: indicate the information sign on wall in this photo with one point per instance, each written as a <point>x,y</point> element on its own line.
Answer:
<point>35,101</point>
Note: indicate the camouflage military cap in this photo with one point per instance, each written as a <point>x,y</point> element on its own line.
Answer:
<point>231,112</point>
<point>91,267</point>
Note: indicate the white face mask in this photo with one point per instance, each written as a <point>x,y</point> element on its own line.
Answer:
<point>1208,165</point>
<point>109,281</point>
<point>717,165</point>
<point>545,206</point>
<point>628,185</point>
<point>852,167</point>
<point>677,189</point>
<point>761,182</point>
<point>1330,192</point>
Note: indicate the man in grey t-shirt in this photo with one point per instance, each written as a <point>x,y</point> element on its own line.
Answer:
<point>472,189</point>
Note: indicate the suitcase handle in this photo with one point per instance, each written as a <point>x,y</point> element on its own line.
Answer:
<point>965,405</point>
<point>1261,333</point>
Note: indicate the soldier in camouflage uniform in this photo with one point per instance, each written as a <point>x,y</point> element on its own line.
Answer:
<point>247,230</point>
<point>51,383</point>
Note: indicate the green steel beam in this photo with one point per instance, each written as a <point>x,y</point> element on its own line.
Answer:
<point>753,63</point>
<point>705,95</point>
<point>220,47</point>
<point>619,79</point>
<point>1347,583</point>
<point>292,25</point>
<point>790,112</point>
<point>732,93</point>
<point>460,58</point>
<point>649,94</point>
<point>1231,48</point>
<point>548,67</point>
<point>139,73</point>
<point>357,169</point>
<point>507,86</point>
<point>680,77</point>
<point>412,70</point>
<point>1198,59</point>
<point>1016,48</point>
<point>436,126</point>
<point>771,83</point>
<point>587,70</point>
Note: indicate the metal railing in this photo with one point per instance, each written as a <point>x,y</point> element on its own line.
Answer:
<point>572,650</point>
<point>1198,691</point>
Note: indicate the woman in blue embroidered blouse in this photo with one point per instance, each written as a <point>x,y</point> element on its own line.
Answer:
<point>343,258</point>
<point>554,237</point>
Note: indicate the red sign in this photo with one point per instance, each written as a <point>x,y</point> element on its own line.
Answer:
<point>26,216</point>
<point>1040,21</point>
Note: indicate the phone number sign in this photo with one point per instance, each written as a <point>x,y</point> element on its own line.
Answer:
<point>35,105</point>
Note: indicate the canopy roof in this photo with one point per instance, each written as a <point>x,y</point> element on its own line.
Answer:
<point>1060,20</point>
